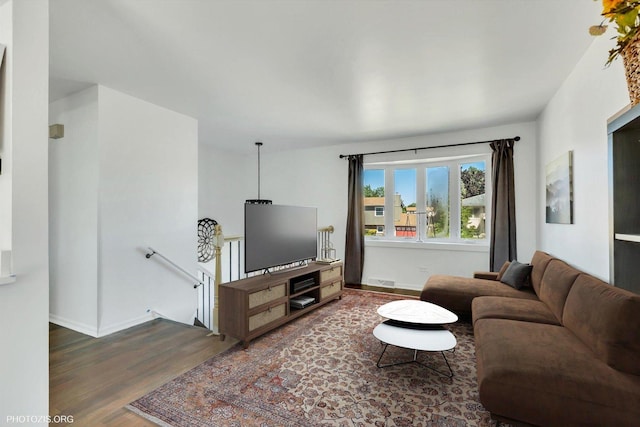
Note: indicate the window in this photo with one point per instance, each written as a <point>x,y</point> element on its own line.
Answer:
<point>472,200</point>
<point>431,199</point>
<point>437,209</point>
<point>374,202</point>
<point>404,203</point>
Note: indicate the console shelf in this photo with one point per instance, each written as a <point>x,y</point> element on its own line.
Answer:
<point>628,237</point>
<point>256,305</point>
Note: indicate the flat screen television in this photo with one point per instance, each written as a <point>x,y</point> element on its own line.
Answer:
<point>277,235</point>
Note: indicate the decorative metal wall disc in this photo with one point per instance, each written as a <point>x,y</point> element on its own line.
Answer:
<point>206,239</point>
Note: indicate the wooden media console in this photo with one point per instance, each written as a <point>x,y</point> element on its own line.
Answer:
<point>256,305</point>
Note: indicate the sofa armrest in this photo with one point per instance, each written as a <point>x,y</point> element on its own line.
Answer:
<point>491,275</point>
<point>487,275</point>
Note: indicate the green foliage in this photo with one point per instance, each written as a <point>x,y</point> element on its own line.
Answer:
<point>472,182</point>
<point>467,232</point>
<point>369,192</point>
<point>441,217</point>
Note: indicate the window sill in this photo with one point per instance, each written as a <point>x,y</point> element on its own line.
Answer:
<point>462,246</point>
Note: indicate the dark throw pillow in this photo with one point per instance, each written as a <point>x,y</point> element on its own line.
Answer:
<point>516,275</point>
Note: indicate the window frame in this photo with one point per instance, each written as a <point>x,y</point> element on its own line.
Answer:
<point>455,206</point>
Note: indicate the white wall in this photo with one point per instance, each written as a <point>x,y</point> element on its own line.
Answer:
<point>24,360</point>
<point>225,181</point>
<point>5,130</point>
<point>148,197</point>
<point>314,177</point>
<point>125,179</point>
<point>318,177</point>
<point>576,119</point>
<point>73,207</point>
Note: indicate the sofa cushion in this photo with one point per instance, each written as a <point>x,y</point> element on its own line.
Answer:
<point>607,320</point>
<point>512,308</point>
<point>539,262</point>
<point>544,375</point>
<point>456,293</point>
<point>556,283</point>
<point>516,275</point>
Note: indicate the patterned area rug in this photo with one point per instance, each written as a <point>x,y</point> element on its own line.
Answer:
<point>320,370</point>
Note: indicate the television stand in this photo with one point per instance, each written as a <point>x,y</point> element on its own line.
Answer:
<point>256,305</point>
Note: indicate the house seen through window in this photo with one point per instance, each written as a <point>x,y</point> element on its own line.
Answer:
<point>439,200</point>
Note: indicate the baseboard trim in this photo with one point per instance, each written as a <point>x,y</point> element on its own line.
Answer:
<point>83,328</point>
<point>397,291</point>
<point>117,327</point>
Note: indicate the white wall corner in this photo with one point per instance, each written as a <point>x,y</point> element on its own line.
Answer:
<point>83,328</point>
<point>120,326</point>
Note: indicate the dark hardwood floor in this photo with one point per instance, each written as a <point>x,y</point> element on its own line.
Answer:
<point>92,379</point>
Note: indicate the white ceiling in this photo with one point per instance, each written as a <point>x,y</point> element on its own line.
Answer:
<point>308,73</point>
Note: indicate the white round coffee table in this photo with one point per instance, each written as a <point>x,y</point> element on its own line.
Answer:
<point>416,325</point>
<point>416,311</point>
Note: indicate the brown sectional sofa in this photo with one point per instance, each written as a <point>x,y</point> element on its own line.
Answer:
<point>564,352</point>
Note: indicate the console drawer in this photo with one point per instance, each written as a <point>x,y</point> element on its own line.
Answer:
<point>331,274</point>
<point>264,296</point>
<point>327,291</point>
<point>264,317</point>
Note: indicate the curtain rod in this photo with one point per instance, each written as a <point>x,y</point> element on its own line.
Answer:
<point>342,156</point>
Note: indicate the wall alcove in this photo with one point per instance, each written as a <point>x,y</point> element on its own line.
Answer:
<point>624,199</point>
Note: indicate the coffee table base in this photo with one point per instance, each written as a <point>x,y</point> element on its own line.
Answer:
<point>415,360</point>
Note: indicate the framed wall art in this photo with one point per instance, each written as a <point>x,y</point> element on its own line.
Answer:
<point>559,189</point>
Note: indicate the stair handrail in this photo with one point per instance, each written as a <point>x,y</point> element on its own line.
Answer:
<point>154,252</point>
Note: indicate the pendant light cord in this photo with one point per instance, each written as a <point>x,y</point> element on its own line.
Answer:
<point>259,144</point>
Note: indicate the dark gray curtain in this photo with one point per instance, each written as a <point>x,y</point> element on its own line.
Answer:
<point>503,205</point>
<point>354,246</point>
